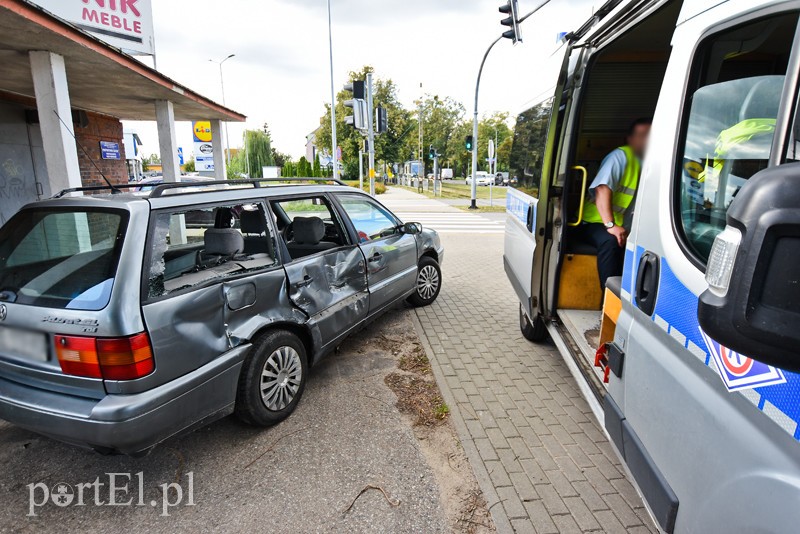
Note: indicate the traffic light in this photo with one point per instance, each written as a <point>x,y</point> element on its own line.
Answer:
<point>381,120</point>
<point>468,143</point>
<point>511,8</point>
<point>432,153</point>
<point>358,104</point>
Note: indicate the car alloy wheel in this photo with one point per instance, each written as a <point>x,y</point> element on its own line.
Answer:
<point>281,377</point>
<point>427,282</point>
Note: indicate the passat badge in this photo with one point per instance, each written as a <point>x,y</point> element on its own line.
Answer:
<point>740,372</point>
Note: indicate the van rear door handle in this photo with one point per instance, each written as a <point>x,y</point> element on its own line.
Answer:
<point>647,280</point>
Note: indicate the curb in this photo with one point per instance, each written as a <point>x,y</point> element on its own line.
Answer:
<point>498,513</point>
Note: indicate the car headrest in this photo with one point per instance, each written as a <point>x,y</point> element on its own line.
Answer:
<point>251,222</point>
<point>308,230</point>
<point>223,241</point>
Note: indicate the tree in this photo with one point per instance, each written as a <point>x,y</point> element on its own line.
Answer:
<point>257,153</point>
<point>189,166</point>
<point>440,120</point>
<point>279,158</point>
<point>389,147</point>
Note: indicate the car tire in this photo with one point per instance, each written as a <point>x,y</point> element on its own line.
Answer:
<point>272,380</point>
<point>428,283</point>
<point>536,331</point>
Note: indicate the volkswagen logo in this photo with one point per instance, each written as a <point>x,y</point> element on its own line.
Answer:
<point>3,312</point>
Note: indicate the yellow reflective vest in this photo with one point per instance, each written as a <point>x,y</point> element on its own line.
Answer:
<point>623,196</point>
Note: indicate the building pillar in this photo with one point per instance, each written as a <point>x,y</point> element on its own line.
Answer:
<point>167,140</point>
<point>220,169</point>
<point>55,118</point>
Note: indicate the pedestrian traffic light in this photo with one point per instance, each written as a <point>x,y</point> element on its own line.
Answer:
<point>381,120</point>
<point>468,143</point>
<point>511,8</point>
<point>358,104</point>
<point>432,153</point>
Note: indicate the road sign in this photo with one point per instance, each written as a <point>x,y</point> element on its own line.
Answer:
<point>491,148</point>
<point>181,161</point>
<point>109,150</point>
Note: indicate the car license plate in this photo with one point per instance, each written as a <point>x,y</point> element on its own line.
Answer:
<point>23,344</point>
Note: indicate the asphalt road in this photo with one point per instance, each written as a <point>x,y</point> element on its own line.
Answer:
<point>299,476</point>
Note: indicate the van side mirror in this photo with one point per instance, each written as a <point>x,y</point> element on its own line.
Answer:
<point>752,305</point>
<point>412,228</point>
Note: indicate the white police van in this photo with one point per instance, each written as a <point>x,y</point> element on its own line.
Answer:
<point>692,357</point>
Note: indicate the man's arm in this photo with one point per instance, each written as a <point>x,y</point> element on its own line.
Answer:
<point>602,198</point>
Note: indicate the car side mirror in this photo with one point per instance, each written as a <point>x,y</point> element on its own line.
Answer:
<point>412,228</point>
<point>752,305</point>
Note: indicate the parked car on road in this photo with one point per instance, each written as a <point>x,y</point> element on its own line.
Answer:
<point>483,178</point>
<point>129,318</point>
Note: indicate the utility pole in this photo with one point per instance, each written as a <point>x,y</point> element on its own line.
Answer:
<point>361,169</point>
<point>371,135</point>
<point>224,103</point>
<point>334,144</point>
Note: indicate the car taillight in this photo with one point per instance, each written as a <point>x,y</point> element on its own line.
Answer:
<point>125,358</point>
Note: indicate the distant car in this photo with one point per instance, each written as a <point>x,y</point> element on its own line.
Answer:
<point>483,179</point>
<point>502,178</point>
<point>149,183</point>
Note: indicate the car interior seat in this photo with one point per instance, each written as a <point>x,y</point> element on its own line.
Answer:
<point>252,226</point>
<point>307,237</point>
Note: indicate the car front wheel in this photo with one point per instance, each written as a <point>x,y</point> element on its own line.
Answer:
<point>428,284</point>
<point>273,379</point>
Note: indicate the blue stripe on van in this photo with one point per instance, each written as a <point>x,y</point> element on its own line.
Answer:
<point>677,306</point>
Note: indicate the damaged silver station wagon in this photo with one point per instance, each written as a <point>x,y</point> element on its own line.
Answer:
<point>128,318</point>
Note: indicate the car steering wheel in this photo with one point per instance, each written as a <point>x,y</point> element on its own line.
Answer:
<point>288,232</point>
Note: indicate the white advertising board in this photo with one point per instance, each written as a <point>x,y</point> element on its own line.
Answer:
<point>125,24</point>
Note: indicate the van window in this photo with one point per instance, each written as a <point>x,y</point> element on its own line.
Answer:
<point>61,259</point>
<point>734,98</point>
<point>528,148</point>
<point>192,248</point>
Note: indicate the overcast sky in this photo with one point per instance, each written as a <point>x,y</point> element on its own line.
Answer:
<point>281,76</point>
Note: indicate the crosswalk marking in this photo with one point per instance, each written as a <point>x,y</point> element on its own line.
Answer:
<point>453,222</point>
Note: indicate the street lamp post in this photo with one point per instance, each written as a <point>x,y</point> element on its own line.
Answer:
<point>222,85</point>
<point>334,146</point>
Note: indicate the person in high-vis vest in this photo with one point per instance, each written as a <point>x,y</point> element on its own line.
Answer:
<point>609,204</point>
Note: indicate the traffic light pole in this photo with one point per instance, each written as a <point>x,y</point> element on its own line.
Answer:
<point>334,145</point>
<point>370,119</point>
<point>474,202</point>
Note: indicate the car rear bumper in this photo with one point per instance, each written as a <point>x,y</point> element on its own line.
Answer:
<point>128,424</point>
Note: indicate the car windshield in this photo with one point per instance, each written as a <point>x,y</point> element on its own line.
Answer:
<point>61,258</point>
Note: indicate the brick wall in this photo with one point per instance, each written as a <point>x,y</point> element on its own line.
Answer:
<point>100,128</point>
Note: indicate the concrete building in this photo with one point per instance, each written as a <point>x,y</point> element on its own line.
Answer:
<point>63,94</point>
<point>311,146</point>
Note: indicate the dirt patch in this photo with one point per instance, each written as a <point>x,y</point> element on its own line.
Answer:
<point>419,398</point>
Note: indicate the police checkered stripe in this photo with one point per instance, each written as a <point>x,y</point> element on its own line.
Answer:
<point>770,410</point>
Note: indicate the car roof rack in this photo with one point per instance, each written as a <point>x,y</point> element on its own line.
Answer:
<point>159,190</point>
<point>115,189</point>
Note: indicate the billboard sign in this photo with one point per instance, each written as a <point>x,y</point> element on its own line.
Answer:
<point>203,146</point>
<point>125,24</point>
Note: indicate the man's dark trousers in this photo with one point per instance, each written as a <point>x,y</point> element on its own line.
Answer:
<point>610,256</point>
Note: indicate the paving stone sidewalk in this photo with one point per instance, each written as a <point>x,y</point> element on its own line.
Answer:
<point>541,458</point>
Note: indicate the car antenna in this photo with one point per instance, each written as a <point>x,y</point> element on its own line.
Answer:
<point>114,189</point>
